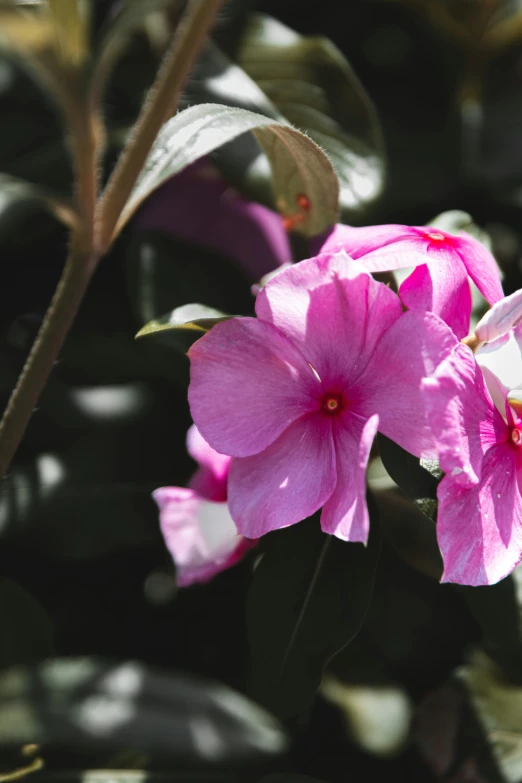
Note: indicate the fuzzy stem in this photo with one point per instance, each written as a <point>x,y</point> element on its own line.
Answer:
<point>58,319</point>
<point>161,103</point>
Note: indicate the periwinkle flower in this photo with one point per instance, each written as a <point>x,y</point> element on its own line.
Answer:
<point>297,395</point>
<point>443,262</point>
<point>479,444</point>
<point>195,522</point>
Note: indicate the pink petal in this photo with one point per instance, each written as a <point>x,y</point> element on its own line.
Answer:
<point>503,316</point>
<point>210,480</point>
<point>479,528</point>
<point>462,416</point>
<point>345,514</point>
<point>333,311</point>
<point>200,536</point>
<point>248,384</point>
<point>379,248</point>
<point>288,481</point>
<point>501,365</point>
<point>410,350</point>
<point>442,287</point>
<point>481,266</point>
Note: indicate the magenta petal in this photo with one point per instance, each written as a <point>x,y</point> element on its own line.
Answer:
<point>503,316</point>
<point>442,287</point>
<point>479,528</point>
<point>210,481</point>
<point>345,514</point>
<point>287,482</point>
<point>200,535</point>
<point>333,311</point>
<point>462,416</point>
<point>481,266</point>
<point>248,384</point>
<point>391,384</point>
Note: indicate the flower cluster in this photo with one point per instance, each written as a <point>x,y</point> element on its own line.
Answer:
<point>295,396</point>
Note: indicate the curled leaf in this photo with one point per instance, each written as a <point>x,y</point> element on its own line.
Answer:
<point>309,81</point>
<point>299,166</point>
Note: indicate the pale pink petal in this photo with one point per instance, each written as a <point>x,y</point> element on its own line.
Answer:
<point>384,248</point>
<point>288,481</point>
<point>501,365</point>
<point>200,535</point>
<point>462,416</point>
<point>248,384</point>
<point>333,311</point>
<point>391,384</point>
<point>479,528</point>
<point>503,316</point>
<point>345,514</point>
<point>442,287</point>
<point>481,266</point>
<point>210,480</point>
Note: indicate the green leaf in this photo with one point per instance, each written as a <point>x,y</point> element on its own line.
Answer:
<point>164,714</point>
<point>299,166</point>
<point>19,200</point>
<point>419,479</point>
<point>308,599</point>
<point>313,86</point>
<point>114,37</point>
<point>191,321</point>
<point>27,634</point>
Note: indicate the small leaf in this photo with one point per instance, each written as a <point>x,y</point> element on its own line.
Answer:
<point>70,20</point>
<point>419,479</point>
<point>98,706</point>
<point>190,317</point>
<point>19,199</point>
<point>308,599</point>
<point>312,85</point>
<point>298,164</point>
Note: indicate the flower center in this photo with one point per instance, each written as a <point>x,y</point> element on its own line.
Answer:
<point>332,403</point>
<point>436,236</point>
<point>516,436</point>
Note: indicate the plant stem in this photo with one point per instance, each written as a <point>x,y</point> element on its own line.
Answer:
<point>160,105</point>
<point>58,319</point>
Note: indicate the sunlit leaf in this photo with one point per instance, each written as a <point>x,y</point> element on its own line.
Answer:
<point>300,168</point>
<point>313,86</point>
<point>94,705</point>
<point>70,20</point>
<point>19,198</point>
<point>308,599</point>
<point>194,318</point>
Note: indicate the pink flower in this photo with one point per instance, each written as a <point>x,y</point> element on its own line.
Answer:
<point>296,395</point>
<point>439,283</point>
<point>196,524</point>
<point>199,207</point>
<point>501,318</point>
<point>479,525</point>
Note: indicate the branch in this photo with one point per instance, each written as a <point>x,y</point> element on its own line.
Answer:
<point>160,105</point>
<point>58,319</point>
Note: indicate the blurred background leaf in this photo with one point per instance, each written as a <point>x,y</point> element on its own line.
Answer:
<point>313,86</point>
